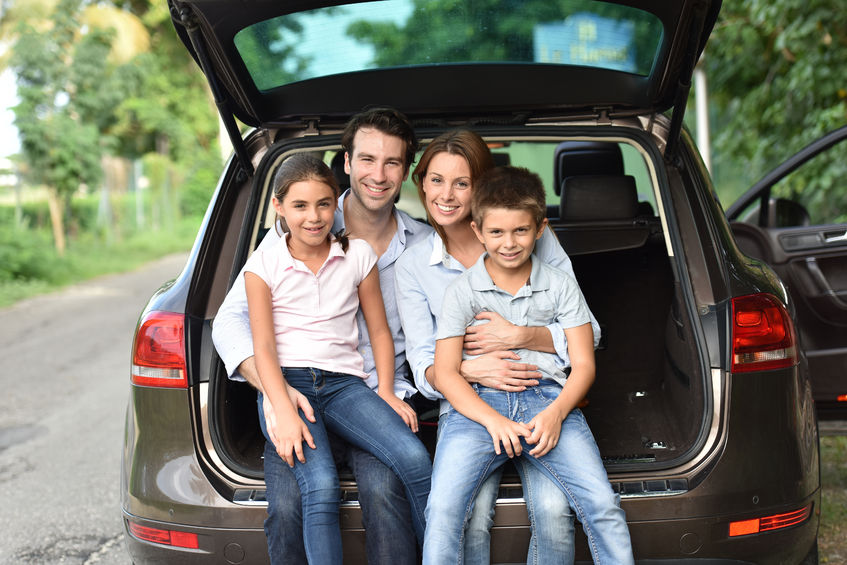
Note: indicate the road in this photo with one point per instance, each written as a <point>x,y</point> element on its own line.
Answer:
<point>65,377</point>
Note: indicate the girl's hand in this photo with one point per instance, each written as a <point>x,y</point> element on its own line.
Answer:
<point>406,412</point>
<point>505,431</point>
<point>502,370</point>
<point>546,429</point>
<point>290,434</point>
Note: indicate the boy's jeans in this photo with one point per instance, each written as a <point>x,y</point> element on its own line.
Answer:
<point>345,405</point>
<point>550,517</point>
<point>465,457</point>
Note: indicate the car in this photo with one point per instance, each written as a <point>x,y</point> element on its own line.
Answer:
<point>703,407</point>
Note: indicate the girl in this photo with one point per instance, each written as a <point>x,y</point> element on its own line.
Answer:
<point>302,296</point>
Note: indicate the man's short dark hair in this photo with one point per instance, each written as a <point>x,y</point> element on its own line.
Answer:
<point>513,188</point>
<point>390,122</point>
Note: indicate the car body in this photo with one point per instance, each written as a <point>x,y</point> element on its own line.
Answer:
<point>703,407</point>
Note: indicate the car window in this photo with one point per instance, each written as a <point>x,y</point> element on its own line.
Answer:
<point>342,39</point>
<point>813,194</point>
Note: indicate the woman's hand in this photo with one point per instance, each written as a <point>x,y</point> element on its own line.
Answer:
<point>502,370</point>
<point>497,334</point>
<point>506,432</point>
<point>401,407</point>
<point>546,429</point>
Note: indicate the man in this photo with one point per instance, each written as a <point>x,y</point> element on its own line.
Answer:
<point>379,146</point>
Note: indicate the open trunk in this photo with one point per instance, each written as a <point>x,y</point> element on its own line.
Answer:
<point>646,408</point>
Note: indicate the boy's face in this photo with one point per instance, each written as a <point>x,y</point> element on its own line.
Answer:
<point>508,235</point>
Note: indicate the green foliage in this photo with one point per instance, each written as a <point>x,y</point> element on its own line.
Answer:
<point>777,81</point>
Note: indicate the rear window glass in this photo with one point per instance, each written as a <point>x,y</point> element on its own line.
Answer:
<point>404,33</point>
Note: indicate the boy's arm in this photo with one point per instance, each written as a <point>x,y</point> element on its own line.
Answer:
<point>547,425</point>
<point>373,310</point>
<point>449,381</point>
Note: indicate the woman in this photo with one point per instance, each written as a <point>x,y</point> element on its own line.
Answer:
<point>444,177</point>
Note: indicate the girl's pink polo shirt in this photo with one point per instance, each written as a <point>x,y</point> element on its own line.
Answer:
<point>315,314</point>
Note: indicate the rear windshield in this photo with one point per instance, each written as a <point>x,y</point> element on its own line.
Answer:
<point>406,33</point>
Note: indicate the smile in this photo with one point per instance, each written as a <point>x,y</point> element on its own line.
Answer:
<point>445,209</point>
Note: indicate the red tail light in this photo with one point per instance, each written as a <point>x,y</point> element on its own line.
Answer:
<point>158,354</point>
<point>173,538</point>
<point>769,523</point>
<point>762,334</point>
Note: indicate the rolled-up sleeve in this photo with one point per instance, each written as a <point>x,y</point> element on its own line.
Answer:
<point>418,324</point>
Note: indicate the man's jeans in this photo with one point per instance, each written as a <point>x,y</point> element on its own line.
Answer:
<point>465,457</point>
<point>346,406</point>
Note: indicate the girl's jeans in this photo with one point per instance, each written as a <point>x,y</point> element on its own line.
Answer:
<point>345,405</point>
<point>465,457</point>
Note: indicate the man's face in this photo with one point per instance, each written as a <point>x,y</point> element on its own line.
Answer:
<point>376,168</point>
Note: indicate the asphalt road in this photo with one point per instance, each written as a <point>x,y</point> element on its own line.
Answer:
<point>64,376</point>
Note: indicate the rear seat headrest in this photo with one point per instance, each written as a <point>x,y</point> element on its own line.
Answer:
<point>598,197</point>
<point>574,158</point>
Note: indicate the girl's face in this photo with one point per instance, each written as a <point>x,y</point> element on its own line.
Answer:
<point>308,209</point>
<point>447,186</point>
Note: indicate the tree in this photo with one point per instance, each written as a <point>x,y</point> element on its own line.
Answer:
<point>776,69</point>
<point>55,67</point>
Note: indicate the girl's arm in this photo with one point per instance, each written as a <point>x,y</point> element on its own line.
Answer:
<point>448,380</point>
<point>547,425</point>
<point>291,431</point>
<point>382,342</point>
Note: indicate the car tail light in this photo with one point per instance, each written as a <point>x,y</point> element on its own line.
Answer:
<point>762,334</point>
<point>842,398</point>
<point>158,353</point>
<point>769,523</point>
<point>173,538</point>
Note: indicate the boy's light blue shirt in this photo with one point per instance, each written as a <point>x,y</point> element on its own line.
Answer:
<point>423,273</point>
<point>231,327</point>
<point>549,296</point>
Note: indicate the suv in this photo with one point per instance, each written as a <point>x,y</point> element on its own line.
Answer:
<point>702,408</point>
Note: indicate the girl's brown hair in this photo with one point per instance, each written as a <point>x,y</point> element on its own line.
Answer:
<point>462,142</point>
<point>303,167</point>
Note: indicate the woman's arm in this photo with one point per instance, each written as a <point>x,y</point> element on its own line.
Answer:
<point>293,431</point>
<point>373,310</point>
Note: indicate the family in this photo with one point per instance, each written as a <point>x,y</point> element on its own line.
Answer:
<point>349,293</point>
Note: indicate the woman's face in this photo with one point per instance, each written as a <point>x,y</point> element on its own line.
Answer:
<point>447,187</point>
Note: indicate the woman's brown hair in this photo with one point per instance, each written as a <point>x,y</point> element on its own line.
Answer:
<point>462,142</point>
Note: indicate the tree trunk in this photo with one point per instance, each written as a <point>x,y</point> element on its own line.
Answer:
<point>57,220</point>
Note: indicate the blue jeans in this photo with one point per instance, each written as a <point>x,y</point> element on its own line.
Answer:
<point>465,457</point>
<point>345,405</point>
<point>550,517</point>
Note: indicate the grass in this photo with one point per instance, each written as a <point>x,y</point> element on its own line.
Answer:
<point>833,528</point>
<point>88,256</point>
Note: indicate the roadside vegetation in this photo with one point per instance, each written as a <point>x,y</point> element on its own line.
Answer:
<point>833,529</point>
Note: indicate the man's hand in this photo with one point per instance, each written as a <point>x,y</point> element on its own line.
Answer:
<point>502,370</point>
<point>497,334</point>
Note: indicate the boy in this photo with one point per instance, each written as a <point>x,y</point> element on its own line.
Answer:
<point>541,423</point>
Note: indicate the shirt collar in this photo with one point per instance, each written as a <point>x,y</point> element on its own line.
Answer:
<point>338,219</point>
<point>481,280</point>
<point>289,262</point>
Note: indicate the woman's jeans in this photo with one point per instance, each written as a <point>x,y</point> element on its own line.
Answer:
<point>345,405</point>
<point>465,457</point>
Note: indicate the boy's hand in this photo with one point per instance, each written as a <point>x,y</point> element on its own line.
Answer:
<point>546,429</point>
<point>401,407</point>
<point>290,434</point>
<point>507,432</point>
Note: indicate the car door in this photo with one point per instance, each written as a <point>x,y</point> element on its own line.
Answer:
<point>795,219</point>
